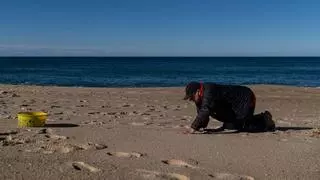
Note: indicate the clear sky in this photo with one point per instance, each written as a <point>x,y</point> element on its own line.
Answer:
<point>160,27</point>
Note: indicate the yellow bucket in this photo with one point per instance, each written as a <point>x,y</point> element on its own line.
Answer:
<point>32,119</point>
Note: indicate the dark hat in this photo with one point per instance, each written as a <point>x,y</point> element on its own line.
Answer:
<point>191,89</point>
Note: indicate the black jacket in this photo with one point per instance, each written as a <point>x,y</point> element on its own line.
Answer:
<point>226,103</point>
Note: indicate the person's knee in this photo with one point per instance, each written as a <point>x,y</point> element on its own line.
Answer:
<point>231,126</point>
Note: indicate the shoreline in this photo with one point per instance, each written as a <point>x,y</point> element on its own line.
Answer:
<point>151,87</point>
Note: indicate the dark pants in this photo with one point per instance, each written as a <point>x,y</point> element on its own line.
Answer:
<point>243,120</point>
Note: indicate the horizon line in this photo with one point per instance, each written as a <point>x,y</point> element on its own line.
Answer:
<point>141,56</point>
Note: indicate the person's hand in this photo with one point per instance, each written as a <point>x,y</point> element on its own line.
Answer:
<point>189,131</point>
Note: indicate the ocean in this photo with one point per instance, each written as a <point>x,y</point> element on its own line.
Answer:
<point>159,71</point>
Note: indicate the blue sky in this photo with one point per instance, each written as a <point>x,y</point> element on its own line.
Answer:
<point>160,28</point>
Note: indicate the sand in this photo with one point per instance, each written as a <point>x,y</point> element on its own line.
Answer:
<point>136,133</point>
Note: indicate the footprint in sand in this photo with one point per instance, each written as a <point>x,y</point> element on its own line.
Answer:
<point>94,122</point>
<point>161,176</point>
<point>31,101</point>
<point>140,123</point>
<point>179,163</point>
<point>25,109</point>
<point>112,113</point>
<point>4,92</point>
<point>59,148</point>
<point>126,154</point>
<point>163,124</point>
<point>315,133</point>
<point>123,113</point>
<point>145,114</point>
<point>79,165</point>
<point>93,113</point>
<point>98,146</point>
<point>9,132</point>
<point>56,137</point>
<point>82,105</point>
<point>180,126</point>
<point>133,113</point>
<point>10,141</point>
<point>127,105</point>
<point>65,148</point>
<point>228,176</point>
<point>46,131</point>
<point>151,109</point>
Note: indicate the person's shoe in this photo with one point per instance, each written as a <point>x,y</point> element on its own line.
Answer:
<point>269,123</point>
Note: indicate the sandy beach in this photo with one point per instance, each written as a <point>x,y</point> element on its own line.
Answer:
<point>135,133</point>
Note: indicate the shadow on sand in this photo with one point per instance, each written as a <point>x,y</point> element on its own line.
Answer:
<point>279,128</point>
<point>61,125</point>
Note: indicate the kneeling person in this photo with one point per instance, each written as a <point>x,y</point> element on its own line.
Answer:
<point>234,105</point>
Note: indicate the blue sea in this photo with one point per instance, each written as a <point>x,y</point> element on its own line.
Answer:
<point>159,71</point>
